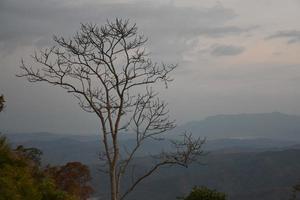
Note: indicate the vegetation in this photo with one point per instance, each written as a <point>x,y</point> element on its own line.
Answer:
<point>22,178</point>
<point>1,103</point>
<point>72,178</point>
<point>295,192</point>
<point>110,73</point>
<point>204,193</point>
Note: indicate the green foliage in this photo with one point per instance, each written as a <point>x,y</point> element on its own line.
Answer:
<point>16,181</point>
<point>22,179</point>
<point>51,192</point>
<point>204,193</point>
<point>5,155</point>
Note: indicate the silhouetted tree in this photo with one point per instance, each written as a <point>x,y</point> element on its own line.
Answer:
<point>1,102</point>
<point>109,72</point>
<point>32,154</point>
<point>72,178</point>
<point>295,191</point>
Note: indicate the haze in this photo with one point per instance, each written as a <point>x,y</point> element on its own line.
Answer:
<point>234,57</point>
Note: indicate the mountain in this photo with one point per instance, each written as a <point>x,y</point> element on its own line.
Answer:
<point>245,169</point>
<point>60,148</point>
<point>266,175</point>
<point>266,125</point>
<point>251,156</point>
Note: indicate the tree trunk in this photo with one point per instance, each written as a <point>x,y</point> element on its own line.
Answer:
<point>113,184</point>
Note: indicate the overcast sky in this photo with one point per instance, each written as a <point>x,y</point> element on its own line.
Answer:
<point>234,56</point>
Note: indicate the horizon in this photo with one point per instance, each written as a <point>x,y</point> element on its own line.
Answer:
<point>170,132</point>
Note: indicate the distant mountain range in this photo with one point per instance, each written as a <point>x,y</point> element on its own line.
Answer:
<point>263,125</point>
<point>57,149</point>
<point>226,133</point>
<point>251,156</point>
<point>273,125</point>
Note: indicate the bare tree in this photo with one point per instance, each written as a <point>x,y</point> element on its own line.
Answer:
<point>109,72</point>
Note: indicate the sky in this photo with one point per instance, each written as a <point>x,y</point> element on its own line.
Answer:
<point>233,56</point>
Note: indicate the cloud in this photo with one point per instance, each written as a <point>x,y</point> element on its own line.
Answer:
<point>195,34</point>
<point>226,50</point>
<point>293,36</point>
<point>225,31</point>
<point>170,28</point>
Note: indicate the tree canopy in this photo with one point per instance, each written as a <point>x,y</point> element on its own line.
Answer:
<point>22,178</point>
<point>72,178</point>
<point>204,193</point>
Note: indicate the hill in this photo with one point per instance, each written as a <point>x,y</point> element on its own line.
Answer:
<point>251,156</point>
<point>268,125</point>
<point>266,175</point>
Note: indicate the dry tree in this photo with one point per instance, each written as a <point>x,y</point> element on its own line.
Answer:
<point>109,71</point>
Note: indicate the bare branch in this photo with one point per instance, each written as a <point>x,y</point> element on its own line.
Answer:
<point>185,152</point>
<point>110,73</point>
